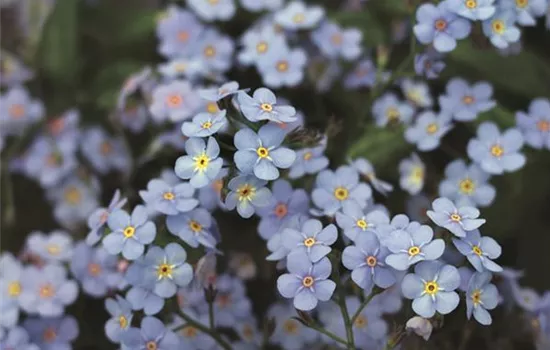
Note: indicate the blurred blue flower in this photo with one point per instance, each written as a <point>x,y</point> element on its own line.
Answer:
<point>497,152</point>
<point>283,67</point>
<point>480,251</point>
<point>262,153</point>
<point>535,125</point>
<point>527,11</point>
<point>334,42</point>
<point>12,275</point>
<point>14,72</point>
<point>366,260</point>
<point>428,130</point>
<point>431,287</point>
<point>416,207</point>
<point>140,81</point>
<point>18,111</point>
<point>218,93</point>
<point>259,43</point>
<point>500,28</point>
<point>334,188</point>
<point>52,333</point>
<point>178,32</point>
<point>363,75</point>
<point>388,109</point>
<point>480,297</point>
<point>412,244</point>
<point>259,5</point>
<point>263,106</point>
<point>104,152</point>
<point>412,173</point>
<point>209,10</point>
<point>174,101</point>
<point>201,164</point>
<point>215,50</point>
<point>308,161</point>
<point>134,117</point>
<point>365,168</point>
<point>465,102</point>
<point>289,333</point>
<point>141,295</point>
<point>74,201</point>
<point>440,26</point>
<point>210,196</point>
<point>98,219</point>
<point>65,129</point>
<point>276,244</point>
<point>296,15</point>
<point>231,303</point>
<point>457,220</point>
<point>477,10</point>
<point>17,338</point>
<point>353,221</point>
<point>284,205</point>
<point>417,93</point>
<point>247,193</point>
<point>55,247</point>
<point>152,335</point>
<point>129,234</point>
<point>194,227</point>
<point>466,185</point>
<point>168,199</point>
<point>189,68</point>
<point>311,240</point>
<point>47,291</point>
<point>121,314</point>
<point>306,282</point>
<point>429,64</point>
<point>190,337</point>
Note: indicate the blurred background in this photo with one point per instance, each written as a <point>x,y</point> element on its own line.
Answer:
<point>81,52</point>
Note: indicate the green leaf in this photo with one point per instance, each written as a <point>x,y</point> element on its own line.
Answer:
<point>107,84</point>
<point>137,25</point>
<point>373,31</point>
<point>379,145</point>
<point>499,115</point>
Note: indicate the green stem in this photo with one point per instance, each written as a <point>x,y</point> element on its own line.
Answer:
<point>345,316</point>
<point>211,314</point>
<point>327,333</point>
<point>210,331</point>
<point>362,306</point>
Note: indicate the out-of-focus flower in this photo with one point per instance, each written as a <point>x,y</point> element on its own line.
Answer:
<point>308,161</point>
<point>12,275</point>
<point>363,75</point>
<point>152,335</point>
<point>500,28</point>
<point>209,10</point>
<point>18,111</point>
<point>420,326</point>
<point>55,247</point>
<point>174,101</point>
<point>388,109</point>
<point>12,71</point>
<point>104,152</point>
<point>417,93</point>
<point>535,125</point>
<point>283,67</point>
<point>296,15</point>
<point>528,11</point>
<point>465,102</point>
<point>429,64</point>
<point>478,10</point>
<point>98,219</point>
<point>178,31</point>
<point>215,51</point>
<point>52,333</point>
<point>428,130</point>
<point>290,333</point>
<point>242,264</point>
<point>17,338</point>
<point>412,173</point>
<point>260,43</point>
<point>334,41</point>
<point>259,5</point>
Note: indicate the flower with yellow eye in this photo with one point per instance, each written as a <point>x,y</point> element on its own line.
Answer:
<point>18,110</point>
<point>246,194</point>
<point>167,199</point>
<point>201,164</point>
<point>297,15</point>
<point>312,239</point>
<point>57,246</point>
<point>412,173</point>
<point>475,10</point>
<point>501,28</point>
<point>535,124</point>
<point>308,161</point>
<point>465,102</point>
<point>480,251</point>
<point>306,282</point>
<point>204,124</point>
<point>194,228</point>
<point>263,106</point>
<point>353,221</point>
<point>121,317</point>
<point>432,288</point>
<point>428,130</point>
<point>457,220</point>
<point>211,10</point>
<point>480,297</point>
<point>283,67</point>
<point>153,335</point>
<point>11,288</point>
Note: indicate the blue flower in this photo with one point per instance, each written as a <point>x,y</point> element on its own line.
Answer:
<point>189,68</point>
<point>215,50</point>
<point>333,189</point>
<point>55,247</point>
<point>178,31</point>
<point>465,102</point>
<point>263,106</point>
<point>121,314</point>
<point>334,41</point>
<point>12,275</point>
<point>285,204</point>
<point>535,125</point>
<point>307,282</point>
<point>201,164</point>
<point>217,94</point>
<point>129,233</point>
<point>205,124</point>
<point>365,168</point>
<point>190,337</point>
<point>52,333</point>
<point>388,110</point>
<point>65,129</point>
<point>528,11</point>
<point>411,245</point>
<point>354,222</point>
<point>18,111</point>
<point>311,240</point>
<point>495,152</point>
<point>210,196</point>
<point>276,244</point>
<point>262,153</point>
<point>134,117</point>
<point>260,43</point>
<point>141,295</point>
<point>363,75</point>
<point>466,185</point>
<point>501,29</point>
<point>47,291</point>
<point>440,26</point>
<point>193,228</point>
<point>283,67</point>
<point>429,64</point>
<point>417,93</point>
<point>14,72</point>
<point>167,199</point>
<point>74,201</point>
<point>209,10</point>
<point>416,207</point>
<point>432,287</point>
<point>98,219</point>
<point>104,152</point>
<point>174,101</point>
<point>152,335</point>
<point>247,193</point>
<point>428,130</point>
<point>95,269</point>
<point>412,173</point>
<point>308,161</point>
<point>480,297</point>
<point>297,16</point>
<point>475,10</point>
<point>480,251</point>
<point>457,220</point>
<point>17,338</point>
<point>290,333</point>
<point>366,259</point>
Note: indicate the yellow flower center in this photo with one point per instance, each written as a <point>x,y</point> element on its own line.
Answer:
<point>308,155</point>
<point>94,269</point>
<point>522,3</point>
<point>467,186</point>
<point>262,152</point>
<point>266,107</point>
<point>543,126</point>
<point>309,242</point>
<point>201,162</point>
<point>361,223</point>
<point>209,51</point>
<point>431,287</point>
<point>432,128</point>
<point>123,322</point>
<point>455,217</point>
<point>290,326</point>
<point>468,100</point>
<point>498,26</point>
<point>164,271</point>
<point>53,249</point>
<point>477,250</point>
<point>281,210</point>
<point>14,289</point>
<point>129,231</point>
<point>417,174</point>
<point>414,250</point>
<point>72,195</point>
<point>262,47</point>
<point>392,114</point>
<point>180,67</point>
<point>307,281</point>
<point>168,196</point>
<point>371,261</point>
<point>282,66</point>
<point>341,193</point>
<point>440,24</point>
<point>497,151</point>
<point>298,18</point>
<point>360,322</point>
<point>46,291</point>
<point>246,192</point>
<point>213,2</point>
<point>476,297</point>
<point>49,335</point>
<point>16,111</point>
<point>471,4</point>
<point>151,345</point>
<point>211,107</point>
<point>189,332</point>
<point>195,226</point>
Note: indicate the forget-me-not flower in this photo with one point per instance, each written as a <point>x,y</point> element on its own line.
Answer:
<point>247,193</point>
<point>178,32</point>
<point>205,124</point>
<point>480,251</point>
<point>429,64</point>
<point>210,10</point>
<point>52,333</point>
<point>311,239</point>
<point>215,50</point>
<point>465,102</point>
<point>457,220</point>
<point>152,335</point>
<point>194,227</point>
<point>475,10</point>
<point>98,219</point>
<point>12,274</point>
<point>308,161</point>
<point>527,11</point>
<point>501,29</point>
<point>296,15</point>
<point>201,164</point>
<point>428,130</point>
<point>353,221</point>
<point>260,43</point>
<point>168,199</point>
<point>283,67</point>
<point>431,287</point>
<point>103,151</point>
<point>412,173</point>
<point>535,125</point>
<point>55,247</point>
<point>263,106</point>
<point>174,101</point>
<point>121,314</point>
<point>17,338</point>
<point>18,110</point>
<point>289,333</point>
<point>334,41</point>
<point>466,185</point>
<point>262,153</point>
<point>497,152</point>
<point>306,282</point>
<point>388,109</point>
<point>129,234</point>
<point>364,74</point>
<point>417,93</point>
<point>480,297</point>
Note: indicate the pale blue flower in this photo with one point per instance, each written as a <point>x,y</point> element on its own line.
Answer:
<point>412,173</point>
<point>480,297</point>
<point>52,333</point>
<point>209,10</point>
<point>174,101</point>
<point>417,93</point>
<point>353,221</point>
<point>501,29</point>
<point>246,194</point>
<point>416,207</point>
<point>194,227</point>
<point>477,10</point>
<point>260,43</point>
<point>168,199</point>
<point>467,185</point>
<point>283,67</point>
<point>457,220</point>
<point>17,338</point>
<point>428,130</point>
<point>215,50</point>
<point>259,5</point>
<point>98,219</point>
<point>74,201</point>
<point>12,275</point>
<point>152,335</point>
<point>465,102</point>
<point>190,337</point>
<point>535,125</point>
<point>290,333</point>
<point>296,15</point>
<point>190,68</point>
<point>312,239</point>
<point>18,111</point>
<point>179,31</point>
<point>14,72</point>
<point>121,314</point>
<point>480,251</point>
<point>134,117</point>
<point>363,75</point>
<point>528,11</point>
<point>335,42</point>
<point>140,81</point>
<point>388,109</point>
<point>55,247</point>
<point>104,152</point>
<point>276,244</point>
<point>201,164</point>
<point>429,64</point>
<point>263,106</point>
<point>309,161</point>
